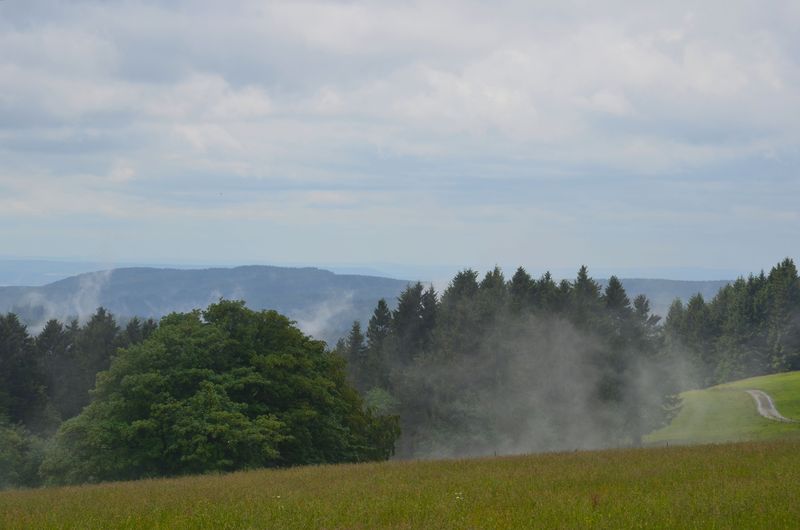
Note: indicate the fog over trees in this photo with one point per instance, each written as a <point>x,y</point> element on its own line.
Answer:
<point>498,365</point>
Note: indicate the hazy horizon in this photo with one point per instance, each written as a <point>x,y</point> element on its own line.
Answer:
<point>37,271</point>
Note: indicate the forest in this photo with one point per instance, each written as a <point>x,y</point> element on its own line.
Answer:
<point>488,366</point>
<point>496,366</point>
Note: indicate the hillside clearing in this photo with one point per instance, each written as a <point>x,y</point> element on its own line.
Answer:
<point>728,413</point>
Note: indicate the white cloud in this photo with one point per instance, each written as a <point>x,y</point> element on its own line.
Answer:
<point>318,111</point>
<point>121,172</point>
<point>204,137</point>
<point>609,102</point>
<point>206,96</point>
<point>520,80</point>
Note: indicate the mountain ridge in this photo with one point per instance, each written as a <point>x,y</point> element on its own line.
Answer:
<point>324,303</point>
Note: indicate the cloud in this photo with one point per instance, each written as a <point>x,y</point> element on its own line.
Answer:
<point>121,172</point>
<point>305,112</point>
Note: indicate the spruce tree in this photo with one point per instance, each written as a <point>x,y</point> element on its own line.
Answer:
<point>429,303</point>
<point>407,325</point>
<point>380,326</point>
<point>522,291</point>
<point>23,397</point>
<point>549,299</point>
<point>356,355</point>
<point>615,298</point>
<point>585,299</point>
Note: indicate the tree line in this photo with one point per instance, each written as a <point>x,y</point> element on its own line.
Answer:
<point>496,365</point>
<point>46,379</point>
<point>525,364</point>
<point>751,327</point>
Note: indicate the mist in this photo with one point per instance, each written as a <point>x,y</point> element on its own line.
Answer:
<point>37,306</point>
<point>327,318</point>
<point>535,385</point>
<point>519,366</point>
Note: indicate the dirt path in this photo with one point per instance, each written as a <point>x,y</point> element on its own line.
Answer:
<point>766,407</point>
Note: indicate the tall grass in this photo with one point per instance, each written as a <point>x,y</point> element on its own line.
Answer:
<point>748,485</point>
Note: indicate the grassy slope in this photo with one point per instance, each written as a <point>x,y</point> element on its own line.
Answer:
<point>727,413</point>
<point>783,388</point>
<point>750,485</point>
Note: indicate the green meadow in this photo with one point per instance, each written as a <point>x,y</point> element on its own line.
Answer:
<point>727,413</point>
<point>746,485</point>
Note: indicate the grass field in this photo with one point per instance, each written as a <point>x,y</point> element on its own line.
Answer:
<point>727,413</point>
<point>749,485</point>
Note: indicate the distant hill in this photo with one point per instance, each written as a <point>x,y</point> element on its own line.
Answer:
<point>37,272</point>
<point>323,303</point>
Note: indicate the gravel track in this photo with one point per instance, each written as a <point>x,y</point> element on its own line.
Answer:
<point>766,407</point>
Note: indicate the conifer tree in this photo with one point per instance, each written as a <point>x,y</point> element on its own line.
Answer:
<point>23,397</point>
<point>380,326</point>
<point>356,355</point>
<point>549,298</point>
<point>429,303</point>
<point>522,291</point>
<point>407,325</point>
<point>585,299</point>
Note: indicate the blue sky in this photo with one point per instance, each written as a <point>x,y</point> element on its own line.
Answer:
<point>548,134</point>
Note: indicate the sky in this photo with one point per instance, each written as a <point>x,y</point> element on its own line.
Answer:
<point>637,136</point>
